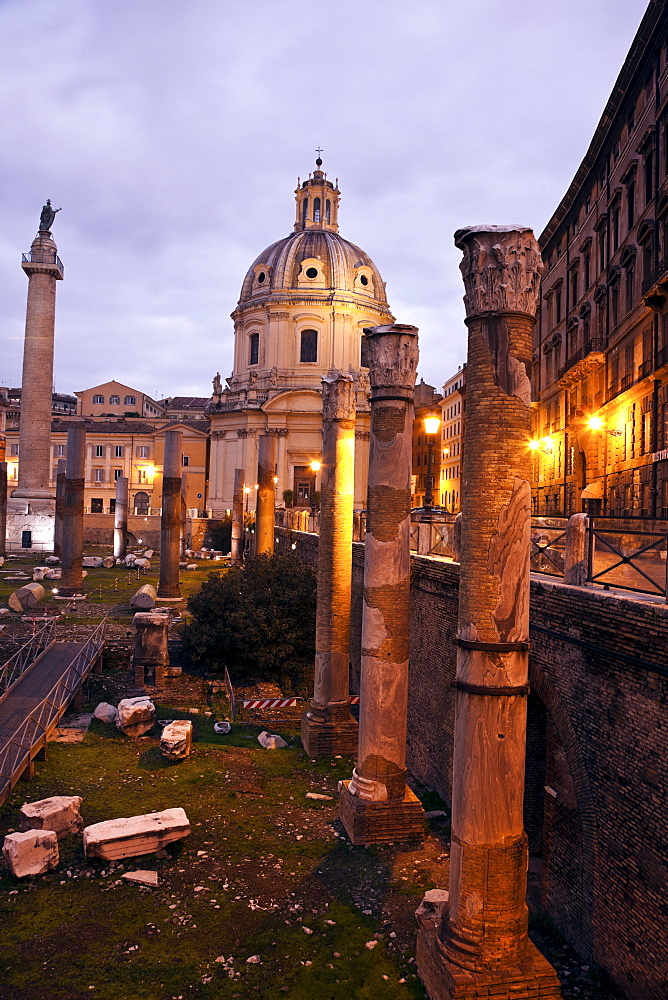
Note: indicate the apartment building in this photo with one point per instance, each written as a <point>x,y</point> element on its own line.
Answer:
<point>600,365</point>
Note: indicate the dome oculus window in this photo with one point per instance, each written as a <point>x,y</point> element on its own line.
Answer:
<point>311,272</point>
<point>261,277</point>
<point>254,348</point>
<point>308,350</point>
<point>363,279</point>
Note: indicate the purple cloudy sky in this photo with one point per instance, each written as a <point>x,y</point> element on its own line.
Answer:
<point>172,132</point>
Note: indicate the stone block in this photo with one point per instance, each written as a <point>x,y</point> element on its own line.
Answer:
<point>105,713</point>
<point>176,740</point>
<point>30,853</point>
<point>59,813</point>
<point>369,822</point>
<point>270,741</point>
<point>129,837</point>
<point>135,716</point>
<point>531,979</point>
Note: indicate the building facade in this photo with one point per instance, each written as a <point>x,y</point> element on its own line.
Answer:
<point>427,404</point>
<point>600,366</point>
<point>304,304</point>
<point>452,438</point>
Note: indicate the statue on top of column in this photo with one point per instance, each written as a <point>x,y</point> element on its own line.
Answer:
<point>47,217</point>
<point>217,384</point>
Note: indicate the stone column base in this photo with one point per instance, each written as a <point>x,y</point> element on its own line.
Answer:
<point>532,979</point>
<point>380,822</point>
<point>329,730</point>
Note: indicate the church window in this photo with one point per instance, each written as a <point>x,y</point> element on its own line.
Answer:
<point>311,272</point>
<point>261,277</point>
<point>254,341</point>
<point>328,211</point>
<point>309,344</point>
<point>316,209</point>
<point>364,354</point>
<point>304,211</point>
<point>363,279</point>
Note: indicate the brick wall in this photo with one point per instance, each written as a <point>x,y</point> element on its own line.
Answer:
<point>99,530</point>
<point>597,737</point>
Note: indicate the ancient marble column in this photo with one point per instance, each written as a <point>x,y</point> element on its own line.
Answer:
<point>3,508</point>
<point>377,805</point>
<point>266,495</point>
<point>170,524</point>
<point>60,505</point>
<point>121,518</point>
<point>71,582</point>
<point>480,941</point>
<point>328,728</point>
<point>238,518</point>
<point>44,269</point>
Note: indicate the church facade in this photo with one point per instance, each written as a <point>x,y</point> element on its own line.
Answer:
<point>304,304</point>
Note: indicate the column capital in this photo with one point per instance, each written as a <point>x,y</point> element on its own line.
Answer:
<point>501,268</point>
<point>393,356</point>
<point>338,397</point>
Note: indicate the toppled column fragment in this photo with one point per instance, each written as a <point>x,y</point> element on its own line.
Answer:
<point>129,837</point>
<point>59,813</point>
<point>33,852</point>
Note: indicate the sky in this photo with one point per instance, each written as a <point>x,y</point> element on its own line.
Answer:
<point>172,132</point>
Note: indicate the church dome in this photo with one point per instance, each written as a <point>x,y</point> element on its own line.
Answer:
<point>314,258</point>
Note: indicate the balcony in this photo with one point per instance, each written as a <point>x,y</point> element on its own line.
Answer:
<point>655,287</point>
<point>585,360</point>
<point>42,261</point>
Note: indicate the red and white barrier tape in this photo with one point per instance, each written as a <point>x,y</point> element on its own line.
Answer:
<point>270,703</point>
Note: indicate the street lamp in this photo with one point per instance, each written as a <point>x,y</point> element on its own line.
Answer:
<point>432,425</point>
<point>247,492</point>
<point>315,467</point>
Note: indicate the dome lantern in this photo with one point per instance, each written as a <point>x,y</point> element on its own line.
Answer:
<point>317,202</point>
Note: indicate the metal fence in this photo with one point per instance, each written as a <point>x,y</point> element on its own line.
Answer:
<point>628,553</point>
<point>548,545</point>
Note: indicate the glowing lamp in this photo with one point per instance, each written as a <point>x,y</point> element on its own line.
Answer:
<point>534,445</point>
<point>595,423</point>
<point>432,424</point>
<point>315,466</point>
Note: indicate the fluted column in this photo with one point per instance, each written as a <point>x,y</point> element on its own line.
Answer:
<point>266,495</point>
<point>376,805</point>
<point>121,518</point>
<point>328,728</point>
<point>170,523</point>
<point>238,518</point>
<point>71,584</point>
<point>484,930</point>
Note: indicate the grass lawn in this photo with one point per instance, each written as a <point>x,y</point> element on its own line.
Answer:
<point>265,872</point>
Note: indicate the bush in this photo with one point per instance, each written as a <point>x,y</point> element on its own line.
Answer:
<point>219,535</point>
<point>288,497</point>
<point>260,619</point>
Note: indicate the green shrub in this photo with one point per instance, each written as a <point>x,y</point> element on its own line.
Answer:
<point>259,621</point>
<point>219,535</point>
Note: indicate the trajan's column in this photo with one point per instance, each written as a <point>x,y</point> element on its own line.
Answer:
<point>32,506</point>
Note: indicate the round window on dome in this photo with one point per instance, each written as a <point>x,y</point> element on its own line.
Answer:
<point>363,279</point>
<point>260,278</point>
<point>311,272</point>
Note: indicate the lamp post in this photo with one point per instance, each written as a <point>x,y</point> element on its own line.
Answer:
<point>432,426</point>
<point>315,467</point>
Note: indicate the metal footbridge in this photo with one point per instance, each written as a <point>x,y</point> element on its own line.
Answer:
<point>36,686</point>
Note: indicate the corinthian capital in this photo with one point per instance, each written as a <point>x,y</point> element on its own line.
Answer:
<point>501,269</point>
<point>393,355</point>
<point>338,397</point>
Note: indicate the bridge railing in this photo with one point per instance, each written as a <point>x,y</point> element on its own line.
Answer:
<point>24,655</point>
<point>30,735</point>
<point>548,545</point>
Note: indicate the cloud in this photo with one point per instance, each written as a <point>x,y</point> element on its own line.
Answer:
<point>172,135</point>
